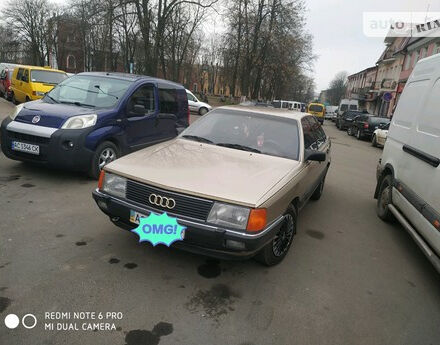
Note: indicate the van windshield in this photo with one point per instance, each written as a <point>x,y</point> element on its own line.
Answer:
<point>344,107</point>
<point>47,77</point>
<point>86,90</point>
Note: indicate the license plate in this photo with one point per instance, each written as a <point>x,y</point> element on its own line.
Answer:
<point>136,216</point>
<point>23,147</point>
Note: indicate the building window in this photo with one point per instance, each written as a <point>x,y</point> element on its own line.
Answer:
<point>71,63</point>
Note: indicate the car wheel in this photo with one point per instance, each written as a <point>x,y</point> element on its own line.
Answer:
<point>203,111</point>
<point>318,191</point>
<point>374,141</point>
<point>105,153</point>
<point>276,250</point>
<point>14,100</point>
<point>358,134</point>
<point>28,99</point>
<point>384,199</point>
<point>349,131</point>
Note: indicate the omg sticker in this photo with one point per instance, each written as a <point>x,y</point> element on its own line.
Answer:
<point>159,229</point>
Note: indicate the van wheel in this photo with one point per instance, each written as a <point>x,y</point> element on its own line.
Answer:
<point>276,250</point>
<point>14,100</point>
<point>105,153</point>
<point>384,199</point>
<point>374,141</point>
<point>203,111</point>
<point>28,99</point>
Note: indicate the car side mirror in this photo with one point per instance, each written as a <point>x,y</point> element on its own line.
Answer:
<point>138,109</point>
<point>316,156</point>
<point>166,116</point>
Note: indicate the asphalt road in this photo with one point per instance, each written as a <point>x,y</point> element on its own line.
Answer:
<point>348,279</point>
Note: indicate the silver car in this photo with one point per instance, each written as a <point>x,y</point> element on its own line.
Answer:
<point>197,106</point>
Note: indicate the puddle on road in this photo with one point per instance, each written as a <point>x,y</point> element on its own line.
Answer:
<point>210,269</point>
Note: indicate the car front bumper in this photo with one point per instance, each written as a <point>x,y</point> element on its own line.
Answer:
<point>200,237</point>
<point>53,145</point>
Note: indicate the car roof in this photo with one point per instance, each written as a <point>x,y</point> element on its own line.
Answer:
<point>266,111</point>
<point>39,68</point>
<point>131,77</point>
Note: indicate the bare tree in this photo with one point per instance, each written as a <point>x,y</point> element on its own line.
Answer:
<point>338,87</point>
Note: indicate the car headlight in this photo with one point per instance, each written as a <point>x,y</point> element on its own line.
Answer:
<point>40,93</point>
<point>114,185</point>
<point>16,111</point>
<point>80,121</point>
<point>229,216</point>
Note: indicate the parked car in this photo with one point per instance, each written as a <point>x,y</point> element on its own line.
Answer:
<point>345,120</point>
<point>90,119</point>
<point>380,135</point>
<point>6,70</point>
<point>197,106</point>
<point>318,110</point>
<point>330,112</point>
<point>31,82</point>
<point>238,178</point>
<point>347,105</point>
<point>363,126</point>
<point>408,174</point>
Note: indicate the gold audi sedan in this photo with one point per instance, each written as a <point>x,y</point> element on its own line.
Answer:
<point>236,179</point>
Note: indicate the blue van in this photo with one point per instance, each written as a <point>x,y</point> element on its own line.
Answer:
<point>92,118</point>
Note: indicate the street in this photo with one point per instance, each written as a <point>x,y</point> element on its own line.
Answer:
<point>349,278</point>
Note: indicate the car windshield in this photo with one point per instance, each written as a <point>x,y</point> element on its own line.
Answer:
<point>266,134</point>
<point>47,77</point>
<point>315,107</point>
<point>94,91</point>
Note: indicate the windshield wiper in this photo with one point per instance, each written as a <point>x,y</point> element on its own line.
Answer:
<point>197,138</point>
<point>239,147</point>
<point>105,93</point>
<point>79,104</point>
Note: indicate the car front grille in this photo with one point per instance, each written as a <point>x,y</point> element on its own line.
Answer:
<point>187,206</point>
<point>32,139</point>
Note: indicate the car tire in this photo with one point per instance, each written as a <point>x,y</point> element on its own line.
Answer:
<point>276,250</point>
<point>384,199</point>
<point>28,99</point>
<point>374,141</point>
<point>203,111</point>
<point>349,131</point>
<point>319,189</point>
<point>14,101</point>
<point>359,134</point>
<point>105,153</point>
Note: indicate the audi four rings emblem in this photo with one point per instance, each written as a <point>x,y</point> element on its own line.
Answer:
<point>160,200</point>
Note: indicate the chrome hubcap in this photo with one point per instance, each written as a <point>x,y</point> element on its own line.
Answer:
<point>282,240</point>
<point>107,155</point>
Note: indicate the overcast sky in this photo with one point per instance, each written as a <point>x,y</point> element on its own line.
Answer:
<point>339,41</point>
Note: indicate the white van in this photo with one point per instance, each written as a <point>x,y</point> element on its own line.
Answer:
<point>294,106</point>
<point>347,104</point>
<point>408,174</point>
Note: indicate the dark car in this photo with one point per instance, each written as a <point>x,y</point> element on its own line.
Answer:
<point>5,79</point>
<point>364,125</point>
<point>345,120</point>
<point>91,119</point>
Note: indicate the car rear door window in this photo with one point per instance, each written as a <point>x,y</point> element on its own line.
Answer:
<point>309,136</point>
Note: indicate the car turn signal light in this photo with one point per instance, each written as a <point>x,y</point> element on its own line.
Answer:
<point>101,179</point>
<point>257,219</point>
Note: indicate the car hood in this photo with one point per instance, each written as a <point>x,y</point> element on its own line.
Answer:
<point>51,114</point>
<point>205,170</point>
